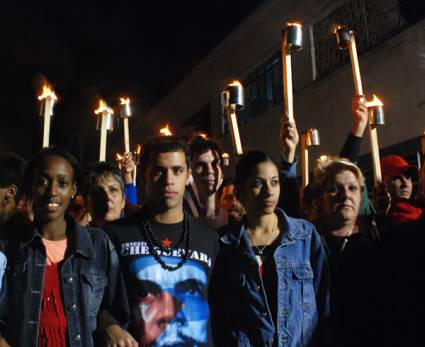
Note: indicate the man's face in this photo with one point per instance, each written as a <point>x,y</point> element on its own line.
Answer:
<point>230,203</point>
<point>207,172</point>
<point>3,202</point>
<point>172,306</point>
<point>399,187</point>
<point>166,178</point>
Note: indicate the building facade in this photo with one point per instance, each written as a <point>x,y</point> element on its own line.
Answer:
<point>390,36</point>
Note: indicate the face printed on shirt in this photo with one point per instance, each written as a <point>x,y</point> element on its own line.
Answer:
<point>172,306</point>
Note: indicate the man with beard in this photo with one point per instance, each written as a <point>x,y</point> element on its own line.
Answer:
<point>166,256</point>
<point>229,202</point>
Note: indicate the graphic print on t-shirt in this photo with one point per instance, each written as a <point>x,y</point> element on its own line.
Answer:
<point>172,306</point>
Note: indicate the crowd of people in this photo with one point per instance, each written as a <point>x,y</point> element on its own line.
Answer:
<point>191,258</point>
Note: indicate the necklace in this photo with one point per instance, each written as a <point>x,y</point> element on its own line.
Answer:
<point>344,243</point>
<point>261,251</point>
<point>154,244</point>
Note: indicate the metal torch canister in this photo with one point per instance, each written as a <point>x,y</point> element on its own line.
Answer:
<point>226,159</point>
<point>343,37</point>
<point>235,97</point>
<point>108,118</point>
<point>294,36</point>
<point>125,110</point>
<point>313,138</point>
<point>377,115</point>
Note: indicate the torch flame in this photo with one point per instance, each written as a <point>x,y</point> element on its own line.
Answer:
<point>225,155</point>
<point>125,101</point>
<point>324,157</point>
<point>337,27</point>
<point>47,93</point>
<point>138,149</point>
<point>203,135</point>
<point>375,102</point>
<point>103,107</point>
<point>119,157</point>
<point>294,24</point>
<point>235,83</point>
<point>166,131</point>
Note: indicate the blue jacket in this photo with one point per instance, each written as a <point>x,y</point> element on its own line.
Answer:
<point>238,300</point>
<point>92,286</point>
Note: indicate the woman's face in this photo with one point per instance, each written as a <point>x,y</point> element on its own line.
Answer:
<point>260,193</point>
<point>341,199</point>
<point>106,199</point>
<point>53,188</point>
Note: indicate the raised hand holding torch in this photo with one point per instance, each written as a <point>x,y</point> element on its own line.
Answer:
<point>105,123</point>
<point>345,40</point>
<point>232,100</point>
<point>291,42</point>
<point>47,98</point>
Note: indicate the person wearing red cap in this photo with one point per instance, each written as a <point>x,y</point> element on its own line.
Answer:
<point>394,197</point>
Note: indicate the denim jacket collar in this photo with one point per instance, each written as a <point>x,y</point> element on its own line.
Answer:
<point>79,240</point>
<point>290,234</point>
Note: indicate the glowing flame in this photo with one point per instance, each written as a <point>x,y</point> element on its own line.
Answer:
<point>235,84</point>
<point>119,157</point>
<point>337,27</point>
<point>138,148</point>
<point>103,107</point>
<point>375,102</point>
<point>294,24</point>
<point>225,155</point>
<point>166,131</point>
<point>125,101</point>
<point>47,93</point>
<point>324,157</point>
<point>203,135</point>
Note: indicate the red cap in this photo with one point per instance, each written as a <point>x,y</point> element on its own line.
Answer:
<point>394,165</point>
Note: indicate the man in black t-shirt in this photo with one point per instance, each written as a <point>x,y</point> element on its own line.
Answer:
<point>166,255</point>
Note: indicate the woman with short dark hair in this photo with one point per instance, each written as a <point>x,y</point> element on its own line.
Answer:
<point>63,281</point>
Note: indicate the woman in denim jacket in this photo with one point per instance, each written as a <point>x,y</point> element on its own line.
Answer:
<point>270,286</point>
<point>62,281</point>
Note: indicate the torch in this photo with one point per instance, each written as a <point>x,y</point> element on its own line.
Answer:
<point>106,123</point>
<point>165,131</point>
<point>226,159</point>
<point>232,100</point>
<point>345,40</point>
<point>203,135</point>
<point>125,113</point>
<point>137,162</point>
<point>308,138</point>
<point>119,158</point>
<point>47,98</point>
<point>376,118</point>
<point>291,42</point>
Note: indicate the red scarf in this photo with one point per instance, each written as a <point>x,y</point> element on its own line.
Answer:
<point>404,211</point>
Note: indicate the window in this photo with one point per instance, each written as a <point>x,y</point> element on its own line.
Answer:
<point>263,90</point>
<point>373,21</point>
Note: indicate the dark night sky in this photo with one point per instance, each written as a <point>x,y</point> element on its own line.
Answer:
<point>89,50</point>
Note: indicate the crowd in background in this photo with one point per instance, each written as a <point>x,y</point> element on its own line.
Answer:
<point>192,258</point>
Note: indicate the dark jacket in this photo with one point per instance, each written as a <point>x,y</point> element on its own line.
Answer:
<point>91,281</point>
<point>241,314</point>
